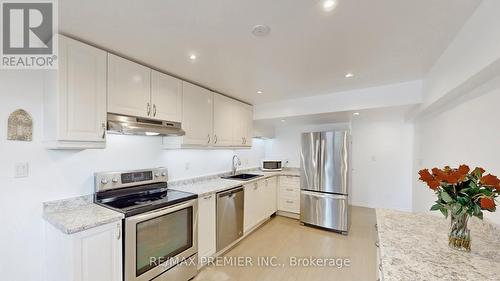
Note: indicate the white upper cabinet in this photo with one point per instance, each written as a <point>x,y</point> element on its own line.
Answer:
<point>166,97</point>
<point>223,120</point>
<point>129,88</point>
<point>75,98</point>
<point>197,115</point>
<point>242,124</point>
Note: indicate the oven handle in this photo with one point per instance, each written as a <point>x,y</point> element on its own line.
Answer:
<point>161,212</point>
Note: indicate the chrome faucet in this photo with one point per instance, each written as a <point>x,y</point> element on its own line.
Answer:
<point>235,164</point>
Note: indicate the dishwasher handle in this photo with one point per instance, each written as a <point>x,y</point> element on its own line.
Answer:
<point>230,193</point>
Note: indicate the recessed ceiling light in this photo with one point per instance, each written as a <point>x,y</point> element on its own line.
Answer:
<point>329,5</point>
<point>355,114</point>
<point>283,120</point>
<point>192,57</point>
<point>349,75</point>
<point>261,30</point>
<point>259,92</point>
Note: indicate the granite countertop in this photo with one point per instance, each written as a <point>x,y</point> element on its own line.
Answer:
<point>210,185</point>
<point>80,213</point>
<point>415,247</point>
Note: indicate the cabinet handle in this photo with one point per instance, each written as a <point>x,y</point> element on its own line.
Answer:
<point>119,232</point>
<point>148,109</point>
<point>103,125</point>
<point>377,244</point>
<point>208,138</point>
<point>215,138</point>
<point>242,140</point>
<point>207,197</point>
<point>289,201</point>
<point>154,110</point>
<point>289,189</point>
<point>255,186</point>
<point>376,227</point>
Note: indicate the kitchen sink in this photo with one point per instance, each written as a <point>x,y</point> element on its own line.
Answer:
<point>242,177</point>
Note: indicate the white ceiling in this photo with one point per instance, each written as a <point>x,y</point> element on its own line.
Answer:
<point>307,52</point>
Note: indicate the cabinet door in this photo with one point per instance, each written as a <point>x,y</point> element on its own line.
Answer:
<point>271,195</point>
<point>98,254</point>
<point>248,120</point>
<point>206,226</point>
<point>166,97</point>
<point>242,124</point>
<point>223,120</point>
<point>129,87</point>
<point>197,117</point>
<point>251,208</point>
<point>82,70</point>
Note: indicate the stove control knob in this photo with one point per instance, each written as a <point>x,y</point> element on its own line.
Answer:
<point>114,180</point>
<point>104,181</point>
<point>157,175</point>
<point>163,174</point>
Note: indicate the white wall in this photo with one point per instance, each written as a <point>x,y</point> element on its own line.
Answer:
<point>382,152</point>
<point>467,134</point>
<point>473,49</point>
<point>63,174</point>
<point>382,157</point>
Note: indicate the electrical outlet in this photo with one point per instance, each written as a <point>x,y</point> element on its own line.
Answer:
<point>187,166</point>
<point>21,170</point>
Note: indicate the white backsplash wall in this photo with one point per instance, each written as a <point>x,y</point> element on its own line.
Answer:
<point>467,134</point>
<point>62,174</point>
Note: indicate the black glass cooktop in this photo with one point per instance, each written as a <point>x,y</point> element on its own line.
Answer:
<point>144,201</point>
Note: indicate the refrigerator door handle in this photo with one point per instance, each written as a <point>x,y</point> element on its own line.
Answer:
<point>324,195</point>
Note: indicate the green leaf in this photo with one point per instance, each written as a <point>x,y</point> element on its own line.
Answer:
<point>444,211</point>
<point>464,201</point>
<point>446,197</point>
<point>436,207</point>
<point>479,215</point>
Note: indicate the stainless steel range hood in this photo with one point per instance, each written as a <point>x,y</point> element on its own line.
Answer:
<point>129,125</point>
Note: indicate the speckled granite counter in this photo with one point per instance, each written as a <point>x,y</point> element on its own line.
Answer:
<point>77,214</point>
<point>212,184</point>
<point>415,247</point>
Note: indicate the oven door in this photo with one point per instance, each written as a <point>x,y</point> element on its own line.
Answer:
<point>156,241</point>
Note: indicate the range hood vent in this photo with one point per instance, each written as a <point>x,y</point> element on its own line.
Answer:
<point>129,125</point>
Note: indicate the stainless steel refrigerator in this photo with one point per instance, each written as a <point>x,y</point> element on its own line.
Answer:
<point>324,180</point>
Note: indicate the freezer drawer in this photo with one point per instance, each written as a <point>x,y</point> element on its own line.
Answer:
<point>324,210</point>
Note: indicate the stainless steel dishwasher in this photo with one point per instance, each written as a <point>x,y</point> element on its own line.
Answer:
<point>229,216</point>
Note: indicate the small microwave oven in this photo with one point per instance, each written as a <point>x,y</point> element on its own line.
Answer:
<point>271,165</point>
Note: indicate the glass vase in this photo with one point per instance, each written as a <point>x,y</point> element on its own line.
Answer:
<point>459,237</point>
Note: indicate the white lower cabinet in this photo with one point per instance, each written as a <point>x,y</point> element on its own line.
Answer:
<point>289,194</point>
<point>260,202</point>
<point>207,215</point>
<point>251,207</point>
<point>90,255</point>
<point>271,194</point>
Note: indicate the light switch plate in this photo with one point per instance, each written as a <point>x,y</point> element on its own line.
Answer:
<point>21,170</point>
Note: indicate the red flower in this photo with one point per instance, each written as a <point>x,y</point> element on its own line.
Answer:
<point>490,180</point>
<point>487,204</point>
<point>425,175</point>
<point>479,171</point>
<point>434,185</point>
<point>463,169</point>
